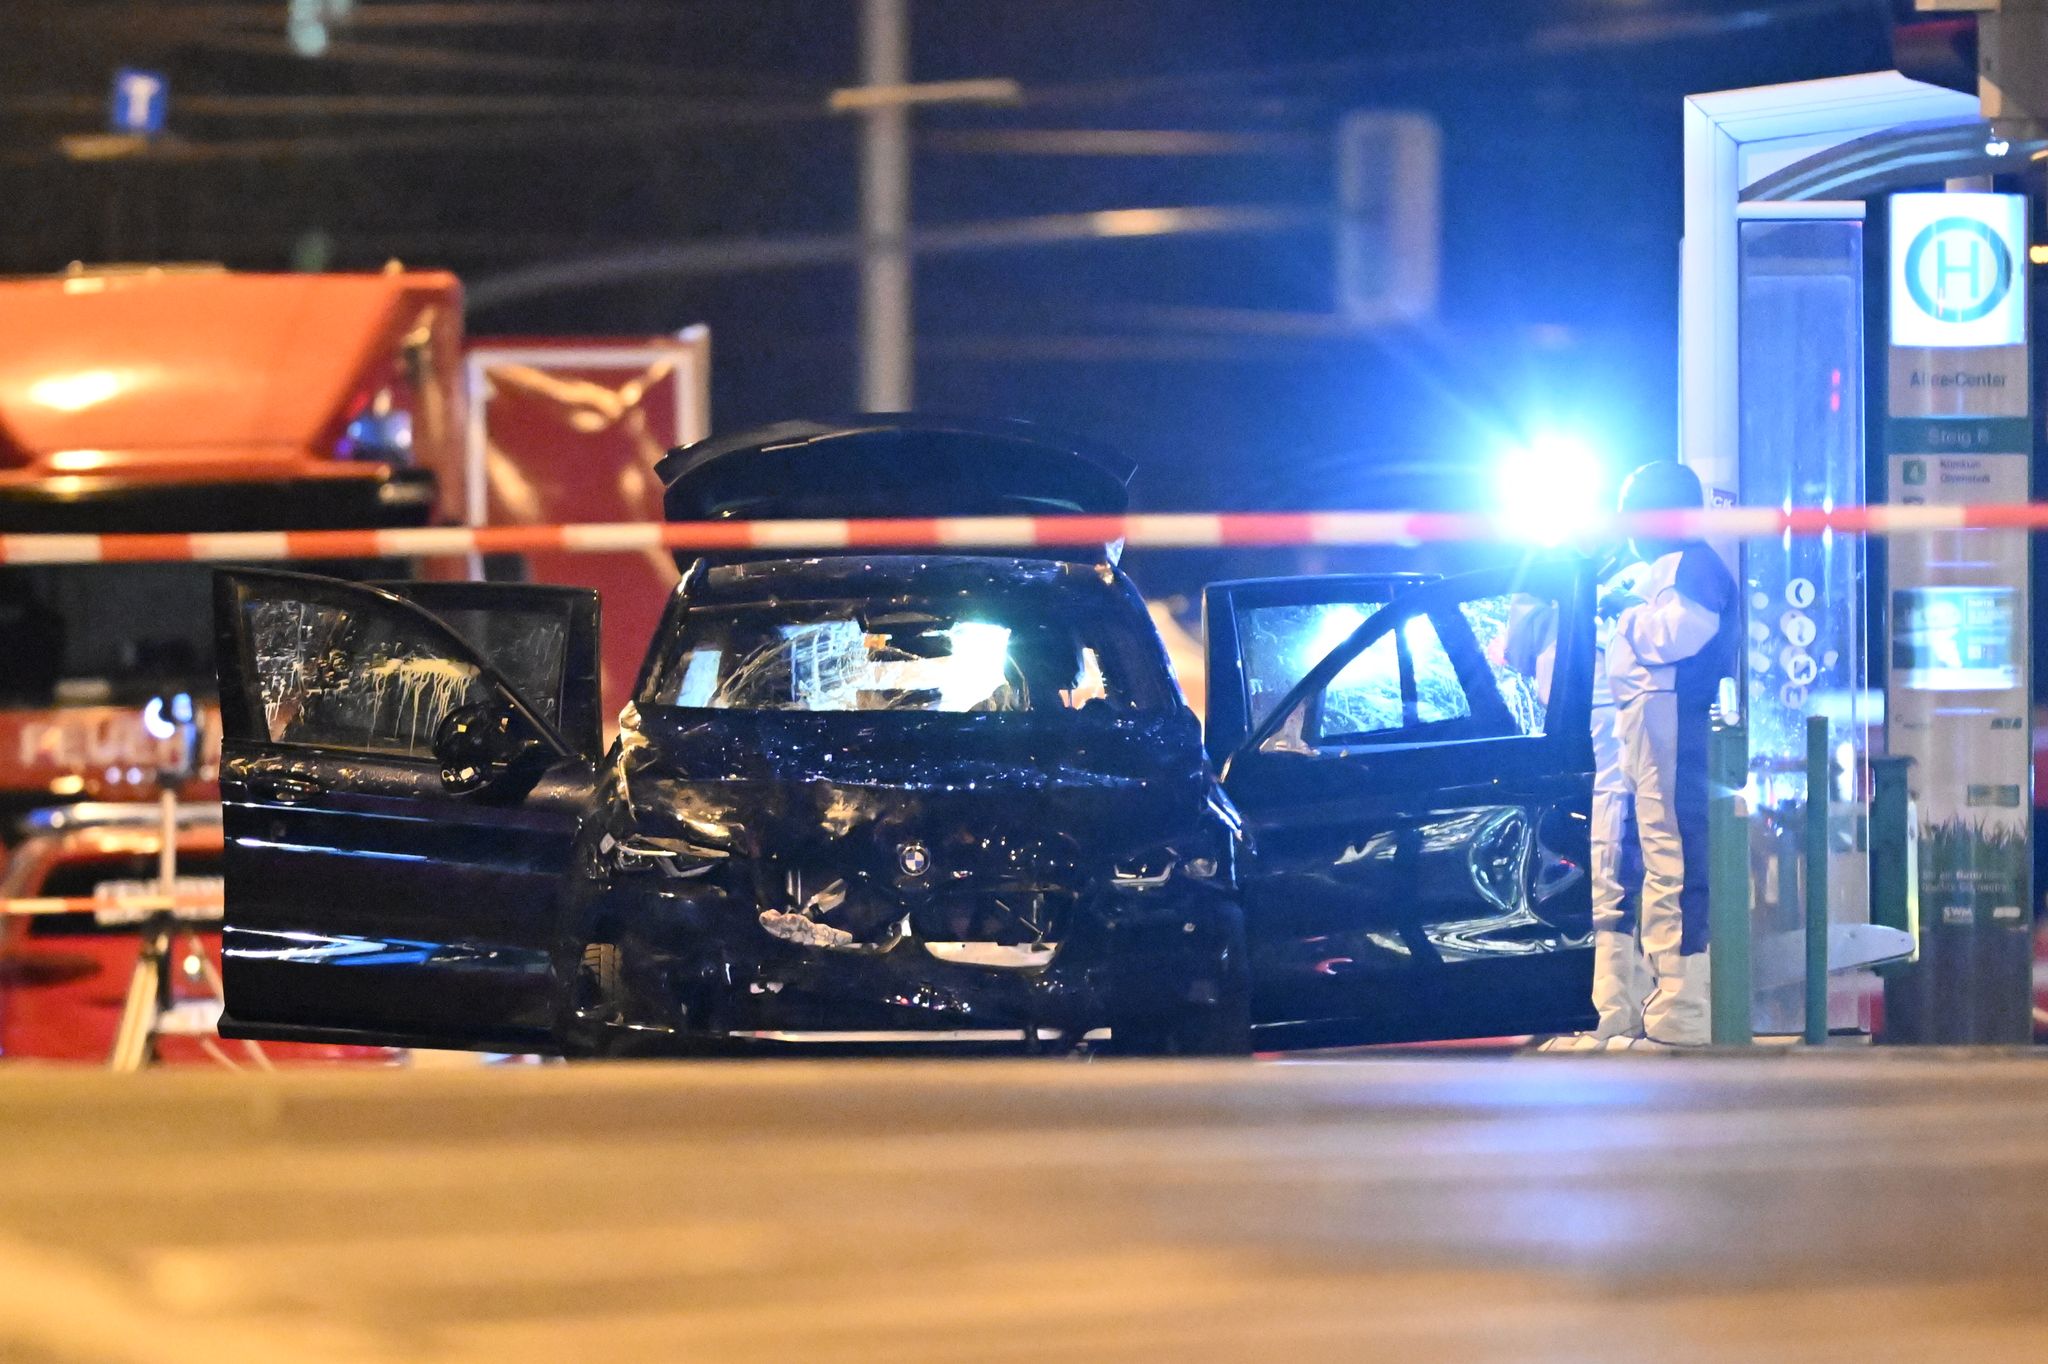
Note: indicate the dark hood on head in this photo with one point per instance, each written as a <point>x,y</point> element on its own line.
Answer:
<point>795,782</point>
<point>893,465</point>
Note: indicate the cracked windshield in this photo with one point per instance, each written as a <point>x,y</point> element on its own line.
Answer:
<point>835,658</point>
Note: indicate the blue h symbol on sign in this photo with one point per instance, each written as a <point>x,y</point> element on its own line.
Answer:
<point>139,102</point>
<point>1943,269</point>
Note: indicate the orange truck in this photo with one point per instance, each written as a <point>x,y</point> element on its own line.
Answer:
<point>196,399</point>
<point>192,398</point>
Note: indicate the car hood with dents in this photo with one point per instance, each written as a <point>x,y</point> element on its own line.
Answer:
<point>983,795</point>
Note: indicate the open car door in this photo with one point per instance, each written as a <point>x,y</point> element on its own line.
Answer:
<point>1262,635</point>
<point>402,771</point>
<point>1418,804</point>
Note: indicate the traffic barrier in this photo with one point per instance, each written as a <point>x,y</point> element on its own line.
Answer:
<point>200,907</point>
<point>1156,530</point>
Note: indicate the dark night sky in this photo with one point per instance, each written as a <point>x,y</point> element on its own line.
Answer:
<point>1561,132</point>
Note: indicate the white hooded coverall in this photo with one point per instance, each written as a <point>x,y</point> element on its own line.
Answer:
<point>1665,663</point>
<point>1620,983</point>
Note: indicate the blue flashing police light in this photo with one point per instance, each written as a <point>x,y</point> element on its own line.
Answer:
<point>139,103</point>
<point>1551,488</point>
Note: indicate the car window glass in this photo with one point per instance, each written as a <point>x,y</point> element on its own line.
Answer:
<point>1517,636</point>
<point>528,648</point>
<point>369,676</point>
<point>1439,696</point>
<point>842,656</point>
<point>1365,698</point>
<point>1091,685</point>
<point>1280,644</point>
<point>697,681</point>
<point>1478,668</point>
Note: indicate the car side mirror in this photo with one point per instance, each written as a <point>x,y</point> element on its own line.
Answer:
<point>489,748</point>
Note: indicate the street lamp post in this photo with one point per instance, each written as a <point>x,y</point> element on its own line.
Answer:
<point>887,358</point>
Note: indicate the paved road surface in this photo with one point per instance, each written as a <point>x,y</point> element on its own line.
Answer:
<point>1860,1208</point>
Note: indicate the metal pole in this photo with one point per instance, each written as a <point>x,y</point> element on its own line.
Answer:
<point>1891,888</point>
<point>1728,911</point>
<point>1817,780</point>
<point>139,1009</point>
<point>885,296</point>
<point>167,855</point>
<point>149,988</point>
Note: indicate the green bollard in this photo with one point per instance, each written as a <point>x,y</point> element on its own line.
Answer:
<point>1728,912</point>
<point>1891,878</point>
<point>1818,766</point>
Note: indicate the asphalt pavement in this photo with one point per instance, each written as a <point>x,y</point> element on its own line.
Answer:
<point>1859,1207</point>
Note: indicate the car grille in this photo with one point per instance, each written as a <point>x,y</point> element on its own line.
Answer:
<point>1004,916</point>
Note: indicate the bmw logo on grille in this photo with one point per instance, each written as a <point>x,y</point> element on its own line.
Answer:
<point>914,859</point>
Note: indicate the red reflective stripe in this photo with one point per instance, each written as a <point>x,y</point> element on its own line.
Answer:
<point>1667,525</point>
<point>1170,529</point>
<point>1433,526</point>
<point>895,532</point>
<point>332,544</point>
<point>1266,528</point>
<point>518,539</point>
<point>1077,530</point>
<point>707,535</point>
<point>2016,517</point>
<point>144,548</point>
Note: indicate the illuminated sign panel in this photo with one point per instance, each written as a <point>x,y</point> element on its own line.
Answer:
<point>1959,700</point>
<point>1958,269</point>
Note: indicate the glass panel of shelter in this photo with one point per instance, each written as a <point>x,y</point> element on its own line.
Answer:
<point>1801,400</point>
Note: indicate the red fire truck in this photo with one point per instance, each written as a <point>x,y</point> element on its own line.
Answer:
<point>198,399</point>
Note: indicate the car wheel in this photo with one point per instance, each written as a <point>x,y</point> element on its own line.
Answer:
<point>1220,1025</point>
<point>596,1001</point>
<point>602,979</point>
<point>1220,1029</point>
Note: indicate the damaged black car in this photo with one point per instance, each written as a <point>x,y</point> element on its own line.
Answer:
<point>885,800</point>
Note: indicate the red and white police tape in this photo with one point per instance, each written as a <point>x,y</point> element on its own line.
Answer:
<point>1154,530</point>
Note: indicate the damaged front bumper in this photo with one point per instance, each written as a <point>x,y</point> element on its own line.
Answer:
<point>701,971</point>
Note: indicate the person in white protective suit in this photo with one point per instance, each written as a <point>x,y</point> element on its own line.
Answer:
<point>1620,975</point>
<point>1666,658</point>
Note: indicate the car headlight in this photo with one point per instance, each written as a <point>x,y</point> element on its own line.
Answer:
<point>637,853</point>
<point>1153,867</point>
<point>1202,857</point>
